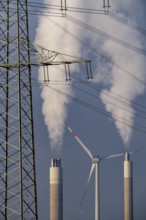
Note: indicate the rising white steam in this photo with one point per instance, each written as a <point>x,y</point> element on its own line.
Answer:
<point>51,37</point>
<point>124,86</point>
<point>118,82</point>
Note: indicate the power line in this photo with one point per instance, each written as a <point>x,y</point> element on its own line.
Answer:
<point>110,14</point>
<point>126,22</point>
<point>105,35</point>
<point>68,9</point>
<point>142,115</point>
<point>43,7</point>
<point>42,10</point>
<point>117,97</point>
<point>99,87</point>
<point>94,50</point>
<point>112,103</point>
<point>138,127</point>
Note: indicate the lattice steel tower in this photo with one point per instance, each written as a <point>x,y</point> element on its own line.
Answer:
<point>18,199</point>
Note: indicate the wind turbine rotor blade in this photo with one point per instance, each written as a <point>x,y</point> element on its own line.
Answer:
<point>118,155</point>
<point>80,142</point>
<point>133,152</point>
<point>112,156</point>
<point>90,174</point>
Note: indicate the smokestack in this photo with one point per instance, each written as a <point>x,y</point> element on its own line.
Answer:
<point>56,190</point>
<point>128,188</point>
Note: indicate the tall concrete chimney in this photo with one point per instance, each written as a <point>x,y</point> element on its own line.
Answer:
<point>128,188</point>
<point>56,190</point>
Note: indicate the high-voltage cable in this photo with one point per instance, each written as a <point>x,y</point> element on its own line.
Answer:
<point>101,55</point>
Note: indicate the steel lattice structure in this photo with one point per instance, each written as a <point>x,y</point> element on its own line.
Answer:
<point>18,199</point>
<point>18,196</point>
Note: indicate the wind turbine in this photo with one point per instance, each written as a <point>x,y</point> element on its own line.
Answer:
<point>95,165</point>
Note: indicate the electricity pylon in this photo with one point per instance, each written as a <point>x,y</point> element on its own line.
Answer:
<point>18,195</point>
<point>18,198</point>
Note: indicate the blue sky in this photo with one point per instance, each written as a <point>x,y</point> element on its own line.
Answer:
<point>98,132</point>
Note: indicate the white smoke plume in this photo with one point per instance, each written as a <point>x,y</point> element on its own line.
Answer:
<point>53,38</point>
<point>119,82</point>
<point>124,86</point>
<point>54,105</point>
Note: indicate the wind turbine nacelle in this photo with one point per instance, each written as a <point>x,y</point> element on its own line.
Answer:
<point>96,159</point>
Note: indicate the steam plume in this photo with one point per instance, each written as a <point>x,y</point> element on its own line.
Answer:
<point>120,83</point>
<point>55,106</point>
